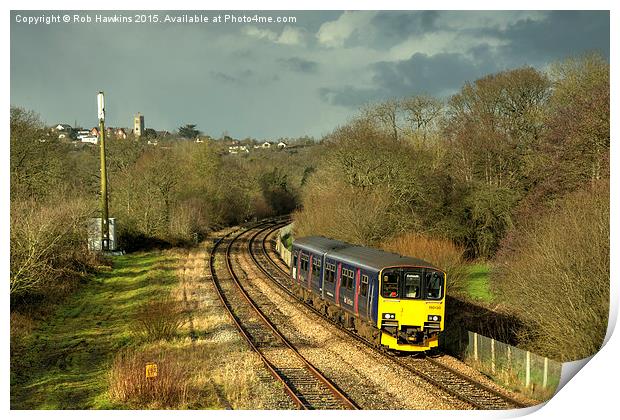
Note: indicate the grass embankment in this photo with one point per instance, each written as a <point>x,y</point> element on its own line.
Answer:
<point>65,361</point>
<point>477,283</point>
<point>91,353</point>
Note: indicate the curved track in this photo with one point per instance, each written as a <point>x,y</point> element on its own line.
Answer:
<point>443,377</point>
<point>305,385</point>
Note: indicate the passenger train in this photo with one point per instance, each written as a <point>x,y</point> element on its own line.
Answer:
<point>390,300</point>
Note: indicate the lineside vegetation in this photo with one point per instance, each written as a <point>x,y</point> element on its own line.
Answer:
<point>466,176</point>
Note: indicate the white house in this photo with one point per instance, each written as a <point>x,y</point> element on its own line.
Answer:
<point>90,139</point>
<point>266,145</point>
<point>281,145</point>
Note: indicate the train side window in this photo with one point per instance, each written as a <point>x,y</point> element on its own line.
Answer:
<point>364,285</point>
<point>347,278</point>
<point>389,285</point>
<point>295,260</point>
<point>304,262</point>
<point>316,267</point>
<point>330,272</point>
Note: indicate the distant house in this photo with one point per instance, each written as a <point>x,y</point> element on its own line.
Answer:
<point>233,150</point>
<point>94,132</point>
<point>266,145</point>
<point>152,142</point>
<point>82,133</point>
<point>120,133</point>
<point>90,139</point>
<point>63,127</point>
<point>281,145</point>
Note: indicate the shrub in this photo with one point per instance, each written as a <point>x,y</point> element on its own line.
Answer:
<point>441,252</point>
<point>48,247</point>
<point>340,211</point>
<point>161,319</point>
<point>557,276</point>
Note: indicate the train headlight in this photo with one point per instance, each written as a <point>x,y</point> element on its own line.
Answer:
<point>389,316</point>
<point>434,318</point>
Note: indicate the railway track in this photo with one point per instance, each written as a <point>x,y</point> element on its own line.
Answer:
<point>305,385</point>
<point>465,389</point>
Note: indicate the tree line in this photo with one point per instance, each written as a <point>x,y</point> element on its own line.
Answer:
<point>160,196</point>
<point>489,170</point>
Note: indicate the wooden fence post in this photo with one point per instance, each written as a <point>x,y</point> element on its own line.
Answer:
<point>492,355</point>
<point>476,346</point>
<point>527,369</point>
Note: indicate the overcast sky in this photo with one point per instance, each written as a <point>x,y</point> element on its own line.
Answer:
<point>273,80</point>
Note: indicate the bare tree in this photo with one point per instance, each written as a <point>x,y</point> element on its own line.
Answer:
<point>423,112</point>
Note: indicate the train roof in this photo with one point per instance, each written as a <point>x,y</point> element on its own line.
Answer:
<point>319,244</point>
<point>369,257</point>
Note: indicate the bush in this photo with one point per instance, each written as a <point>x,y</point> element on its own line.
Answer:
<point>161,319</point>
<point>336,210</point>
<point>557,276</point>
<point>440,252</point>
<point>48,247</point>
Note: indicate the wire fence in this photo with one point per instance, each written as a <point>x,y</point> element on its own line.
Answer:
<point>515,367</point>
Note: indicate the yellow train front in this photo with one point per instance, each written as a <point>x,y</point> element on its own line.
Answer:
<point>393,301</point>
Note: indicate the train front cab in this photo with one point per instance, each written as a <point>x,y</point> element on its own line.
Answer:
<point>411,307</point>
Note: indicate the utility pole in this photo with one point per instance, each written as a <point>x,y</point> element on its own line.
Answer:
<point>105,228</point>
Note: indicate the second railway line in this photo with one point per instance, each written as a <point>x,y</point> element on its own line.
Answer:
<point>473,392</point>
<point>322,365</point>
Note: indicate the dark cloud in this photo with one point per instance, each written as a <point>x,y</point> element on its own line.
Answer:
<point>299,65</point>
<point>402,25</point>
<point>388,28</point>
<point>204,65</point>
<point>347,95</point>
<point>439,75</point>
<point>560,34</point>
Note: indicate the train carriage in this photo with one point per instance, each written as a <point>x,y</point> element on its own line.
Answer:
<point>391,300</point>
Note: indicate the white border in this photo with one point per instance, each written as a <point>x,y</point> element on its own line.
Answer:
<point>591,394</point>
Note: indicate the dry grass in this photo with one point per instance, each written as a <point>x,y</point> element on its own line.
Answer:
<point>129,384</point>
<point>441,252</point>
<point>208,360</point>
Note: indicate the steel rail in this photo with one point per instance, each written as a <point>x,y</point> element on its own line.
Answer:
<point>241,330</point>
<point>344,401</point>
<point>506,400</point>
<point>329,384</point>
<point>347,402</point>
